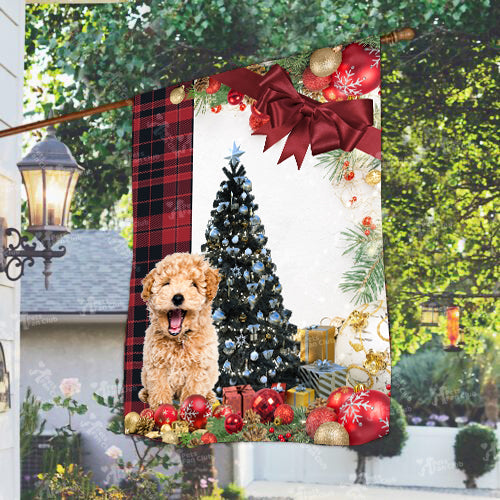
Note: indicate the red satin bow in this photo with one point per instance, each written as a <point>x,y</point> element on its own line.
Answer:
<point>324,126</point>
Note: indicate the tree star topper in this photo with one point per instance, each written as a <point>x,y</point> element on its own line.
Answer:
<point>234,154</point>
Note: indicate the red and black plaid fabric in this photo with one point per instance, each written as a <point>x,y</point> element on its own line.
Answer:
<point>162,173</point>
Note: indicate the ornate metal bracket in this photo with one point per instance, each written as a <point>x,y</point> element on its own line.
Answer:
<point>15,257</point>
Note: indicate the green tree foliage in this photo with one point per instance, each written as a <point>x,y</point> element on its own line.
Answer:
<point>476,452</point>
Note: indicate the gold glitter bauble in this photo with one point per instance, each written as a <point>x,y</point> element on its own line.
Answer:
<point>359,388</point>
<point>170,437</point>
<point>177,95</point>
<point>325,61</point>
<point>165,428</point>
<point>242,317</point>
<point>373,178</point>
<point>358,320</point>
<point>131,420</point>
<point>332,434</point>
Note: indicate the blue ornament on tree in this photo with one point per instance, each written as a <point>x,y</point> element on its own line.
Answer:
<point>226,366</point>
<point>247,185</point>
<point>218,315</point>
<point>252,299</point>
<point>254,355</point>
<point>274,318</point>
<point>248,252</point>
<point>247,276</point>
<point>268,353</point>
<point>243,209</point>
<point>235,239</point>
<point>214,233</point>
<point>258,267</point>
<point>225,242</point>
<point>260,316</point>
<point>252,287</point>
<point>263,379</point>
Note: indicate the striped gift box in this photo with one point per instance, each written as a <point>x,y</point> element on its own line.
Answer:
<point>323,376</point>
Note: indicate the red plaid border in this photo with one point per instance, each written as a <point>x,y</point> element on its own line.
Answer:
<point>162,173</point>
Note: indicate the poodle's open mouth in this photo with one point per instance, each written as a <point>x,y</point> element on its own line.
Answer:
<point>175,320</point>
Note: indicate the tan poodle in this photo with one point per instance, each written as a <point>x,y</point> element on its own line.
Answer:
<point>180,355</point>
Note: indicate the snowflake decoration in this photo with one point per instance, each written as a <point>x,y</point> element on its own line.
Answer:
<point>236,270</point>
<point>352,407</point>
<point>346,83</point>
<point>375,53</point>
<point>384,429</point>
<point>241,340</point>
<point>190,414</point>
<point>208,412</point>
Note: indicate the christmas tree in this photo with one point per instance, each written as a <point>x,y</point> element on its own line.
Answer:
<point>256,343</point>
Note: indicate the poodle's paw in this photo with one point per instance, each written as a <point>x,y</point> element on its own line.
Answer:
<point>143,395</point>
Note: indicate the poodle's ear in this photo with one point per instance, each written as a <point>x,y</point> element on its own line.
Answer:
<point>147,284</point>
<point>212,278</point>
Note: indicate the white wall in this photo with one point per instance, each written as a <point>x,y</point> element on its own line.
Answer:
<point>427,460</point>
<point>11,88</point>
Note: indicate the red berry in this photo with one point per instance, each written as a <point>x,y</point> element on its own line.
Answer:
<point>346,163</point>
<point>373,226</point>
<point>288,435</point>
<point>281,437</point>
<point>367,232</point>
<point>389,393</point>
<point>349,176</point>
<point>367,221</point>
<point>271,429</point>
<point>354,199</point>
<point>216,109</point>
<point>388,387</point>
<point>243,106</point>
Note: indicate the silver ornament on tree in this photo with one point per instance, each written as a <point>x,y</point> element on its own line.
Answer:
<point>268,354</point>
<point>247,185</point>
<point>254,355</point>
<point>229,347</point>
<point>275,318</point>
<point>243,209</point>
<point>214,233</point>
<point>263,379</point>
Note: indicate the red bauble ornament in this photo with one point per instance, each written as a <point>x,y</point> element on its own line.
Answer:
<point>271,430</point>
<point>288,435</point>
<point>165,414</point>
<point>367,232</point>
<point>265,403</point>
<point>367,221</point>
<point>388,387</point>
<point>234,97</point>
<point>213,86</point>
<point>338,397</point>
<point>195,410</point>
<point>233,423</point>
<point>332,93</point>
<point>243,106</point>
<point>148,413</point>
<point>317,417</point>
<point>313,82</point>
<point>365,416</point>
<point>222,411</point>
<point>257,121</point>
<point>359,72</point>
<point>349,176</point>
<point>216,109</point>
<point>208,438</point>
<point>285,413</point>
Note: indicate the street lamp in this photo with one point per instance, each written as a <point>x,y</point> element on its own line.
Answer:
<point>50,173</point>
<point>429,314</point>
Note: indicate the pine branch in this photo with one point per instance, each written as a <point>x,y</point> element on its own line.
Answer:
<point>204,102</point>
<point>295,65</point>
<point>371,41</point>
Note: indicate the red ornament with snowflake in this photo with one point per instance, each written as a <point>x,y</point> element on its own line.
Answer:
<point>317,417</point>
<point>213,86</point>
<point>195,410</point>
<point>338,397</point>
<point>147,413</point>
<point>359,72</point>
<point>165,414</point>
<point>233,423</point>
<point>285,413</point>
<point>222,411</point>
<point>365,416</point>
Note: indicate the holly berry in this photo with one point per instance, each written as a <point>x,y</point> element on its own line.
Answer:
<point>354,198</point>
<point>367,232</point>
<point>388,387</point>
<point>349,176</point>
<point>271,430</point>
<point>213,86</point>
<point>367,221</point>
<point>389,393</point>
<point>288,435</point>
<point>243,106</point>
<point>216,109</point>
<point>280,437</point>
<point>346,163</point>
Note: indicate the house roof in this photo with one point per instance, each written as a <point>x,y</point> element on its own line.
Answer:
<point>92,278</point>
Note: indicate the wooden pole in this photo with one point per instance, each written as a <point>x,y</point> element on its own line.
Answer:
<point>66,118</point>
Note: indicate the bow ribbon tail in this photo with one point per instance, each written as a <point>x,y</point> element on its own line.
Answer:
<point>297,142</point>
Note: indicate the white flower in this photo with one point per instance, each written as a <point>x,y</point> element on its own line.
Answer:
<point>114,452</point>
<point>70,386</point>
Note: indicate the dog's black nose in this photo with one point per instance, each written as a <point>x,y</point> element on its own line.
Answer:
<point>178,299</point>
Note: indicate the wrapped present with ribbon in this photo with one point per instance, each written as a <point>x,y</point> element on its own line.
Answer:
<point>239,398</point>
<point>318,342</point>
<point>279,387</point>
<point>323,376</point>
<point>299,396</point>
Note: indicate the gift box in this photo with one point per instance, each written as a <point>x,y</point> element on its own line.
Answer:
<point>323,376</point>
<point>299,396</point>
<point>279,387</point>
<point>317,342</point>
<point>239,398</point>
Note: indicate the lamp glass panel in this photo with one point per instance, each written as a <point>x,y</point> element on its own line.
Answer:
<point>55,193</point>
<point>69,199</point>
<point>34,190</point>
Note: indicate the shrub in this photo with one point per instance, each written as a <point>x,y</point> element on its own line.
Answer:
<point>476,452</point>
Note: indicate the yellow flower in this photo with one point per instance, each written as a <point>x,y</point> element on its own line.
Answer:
<point>40,476</point>
<point>70,468</point>
<point>60,469</point>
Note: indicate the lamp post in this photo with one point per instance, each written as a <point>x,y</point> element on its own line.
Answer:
<point>50,173</point>
<point>429,315</point>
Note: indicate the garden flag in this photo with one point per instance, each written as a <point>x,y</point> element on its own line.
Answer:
<point>257,295</point>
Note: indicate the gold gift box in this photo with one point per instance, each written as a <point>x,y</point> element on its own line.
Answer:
<point>299,396</point>
<point>317,342</point>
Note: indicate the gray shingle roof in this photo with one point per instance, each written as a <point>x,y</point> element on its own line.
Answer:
<point>93,277</point>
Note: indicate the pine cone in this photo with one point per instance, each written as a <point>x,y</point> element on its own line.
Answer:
<point>257,68</point>
<point>317,96</point>
<point>318,402</point>
<point>144,425</point>
<point>195,442</point>
<point>251,417</point>
<point>201,84</point>
<point>255,432</point>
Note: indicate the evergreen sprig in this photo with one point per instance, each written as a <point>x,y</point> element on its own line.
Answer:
<point>295,65</point>
<point>204,102</point>
<point>366,278</point>
<point>371,41</point>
